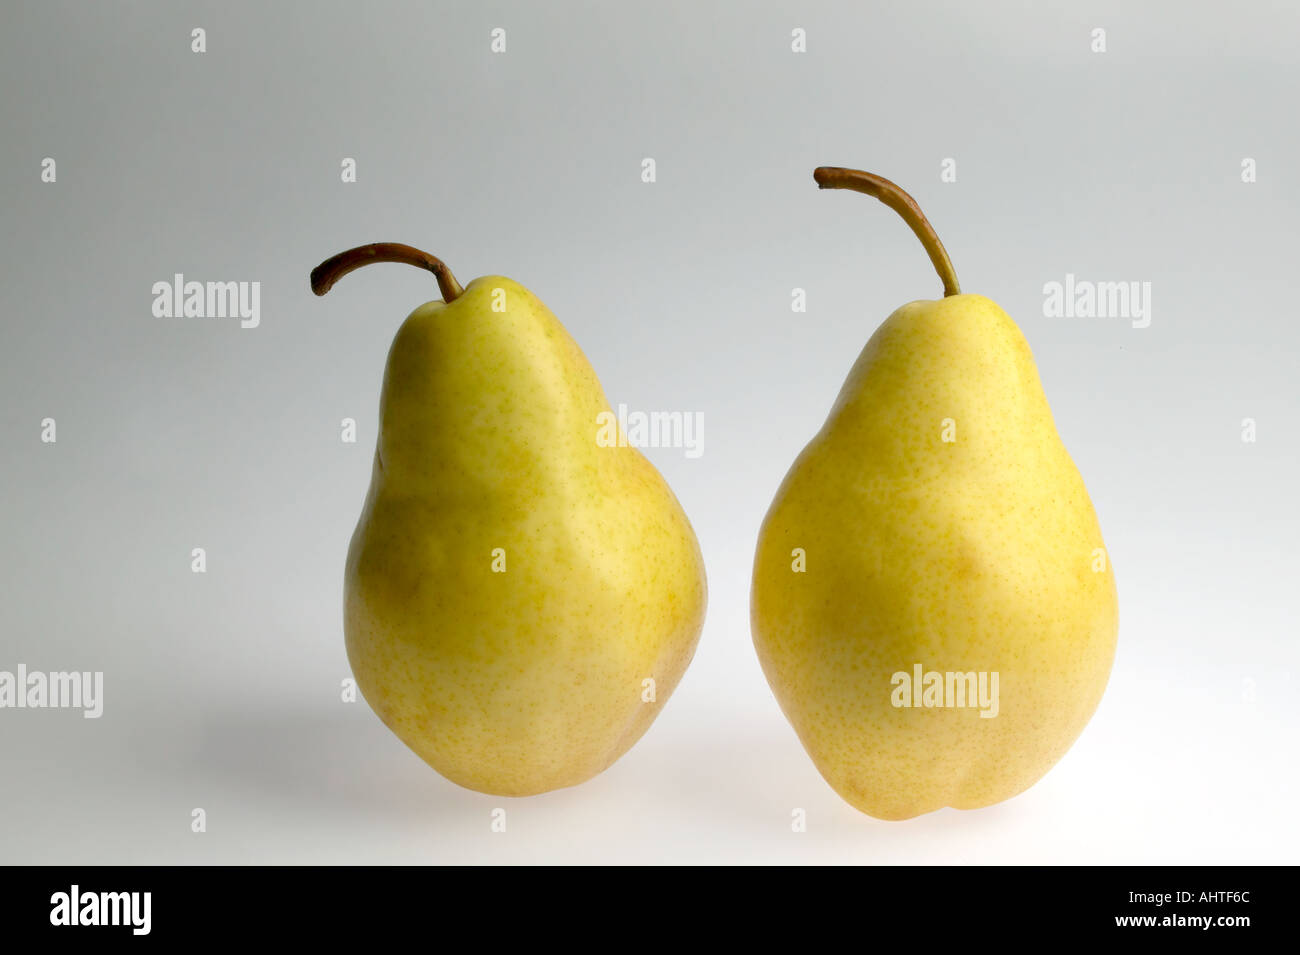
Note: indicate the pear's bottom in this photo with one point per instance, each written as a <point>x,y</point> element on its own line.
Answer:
<point>901,775</point>
<point>548,771</point>
<point>900,810</point>
<point>532,716</point>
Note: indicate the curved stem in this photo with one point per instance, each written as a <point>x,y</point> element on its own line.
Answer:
<point>834,177</point>
<point>334,268</point>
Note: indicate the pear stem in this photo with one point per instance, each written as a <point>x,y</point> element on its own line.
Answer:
<point>334,268</point>
<point>834,177</point>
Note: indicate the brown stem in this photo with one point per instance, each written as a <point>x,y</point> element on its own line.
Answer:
<point>833,177</point>
<point>334,268</point>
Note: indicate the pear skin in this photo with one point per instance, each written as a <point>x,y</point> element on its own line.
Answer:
<point>941,523</point>
<point>521,596</point>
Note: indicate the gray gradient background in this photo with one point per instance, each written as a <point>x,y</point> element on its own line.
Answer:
<point>222,689</point>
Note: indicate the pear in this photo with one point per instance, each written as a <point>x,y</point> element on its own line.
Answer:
<point>932,602</point>
<point>522,595</point>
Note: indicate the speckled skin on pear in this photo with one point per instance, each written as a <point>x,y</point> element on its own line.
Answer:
<point>529,680</point>
<point>979,554</point>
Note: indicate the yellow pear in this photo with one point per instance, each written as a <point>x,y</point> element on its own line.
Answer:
<point>932,602</point>
<point>523,591</point>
